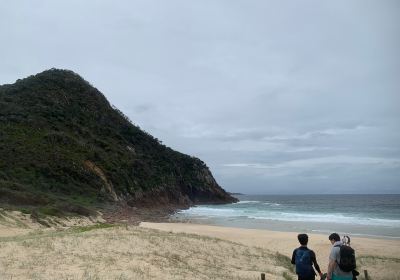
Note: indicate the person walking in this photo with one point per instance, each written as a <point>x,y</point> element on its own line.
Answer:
<point>304,259</point>
<point>334,271</point>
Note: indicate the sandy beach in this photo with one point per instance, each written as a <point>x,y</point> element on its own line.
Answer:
<point>89,249</point>
<point>379,256</point>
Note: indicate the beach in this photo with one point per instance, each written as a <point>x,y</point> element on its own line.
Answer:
<point>88,248</point>
<point>379,256</point>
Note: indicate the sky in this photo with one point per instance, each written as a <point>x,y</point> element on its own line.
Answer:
<point>276,97</point>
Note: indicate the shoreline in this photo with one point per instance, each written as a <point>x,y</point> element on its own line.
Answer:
<point>283,226</point>
<point>370,216</point>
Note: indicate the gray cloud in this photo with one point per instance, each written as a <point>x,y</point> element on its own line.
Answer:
<point>310,88</point>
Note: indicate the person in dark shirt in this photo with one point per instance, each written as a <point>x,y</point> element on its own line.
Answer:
<point>304,259</point>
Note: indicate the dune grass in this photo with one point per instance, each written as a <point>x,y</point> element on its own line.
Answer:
<point>119,252</point>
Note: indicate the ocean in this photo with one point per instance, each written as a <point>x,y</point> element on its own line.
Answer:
<point>357,215</point>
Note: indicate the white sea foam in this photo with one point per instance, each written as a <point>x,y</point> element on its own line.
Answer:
<point>248,202</point>
<point>271,203</point>
<point>358,234</point>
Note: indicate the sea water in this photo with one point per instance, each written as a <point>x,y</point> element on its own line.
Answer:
<point>365,215</point>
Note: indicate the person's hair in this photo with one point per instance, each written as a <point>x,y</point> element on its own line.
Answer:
<point>334,236</point>
<point>303,238</point>
<point>346,240</point>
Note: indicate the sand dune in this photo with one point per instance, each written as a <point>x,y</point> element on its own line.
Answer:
<point>132,253</point>
<point>90,250</point>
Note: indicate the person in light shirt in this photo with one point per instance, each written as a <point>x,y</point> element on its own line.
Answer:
<point>334,271</point>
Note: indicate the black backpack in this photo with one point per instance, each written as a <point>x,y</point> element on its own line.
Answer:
<point>347,258</point>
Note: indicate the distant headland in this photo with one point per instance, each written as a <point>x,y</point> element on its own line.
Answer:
<point>65,150</point>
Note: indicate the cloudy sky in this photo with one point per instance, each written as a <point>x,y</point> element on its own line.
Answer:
<point>277,97</point>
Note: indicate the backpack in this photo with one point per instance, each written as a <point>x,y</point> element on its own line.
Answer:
<point>303,263</point>
<point>347,258</point>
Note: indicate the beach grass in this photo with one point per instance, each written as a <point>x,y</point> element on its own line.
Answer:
<point>384,268</point>
<point>102,251</point>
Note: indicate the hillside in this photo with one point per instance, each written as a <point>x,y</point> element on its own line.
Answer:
<point>64,149</point>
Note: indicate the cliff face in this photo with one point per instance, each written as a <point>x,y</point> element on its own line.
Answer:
<point>62,145</point>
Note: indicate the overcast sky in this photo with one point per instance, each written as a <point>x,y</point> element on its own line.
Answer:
<point>277,97</point>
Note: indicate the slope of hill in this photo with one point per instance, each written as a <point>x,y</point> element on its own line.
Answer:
<point>64,148</point>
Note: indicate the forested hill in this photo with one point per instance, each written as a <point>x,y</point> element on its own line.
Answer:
<point>63,148</point>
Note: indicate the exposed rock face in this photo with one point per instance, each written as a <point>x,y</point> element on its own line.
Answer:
<point>62,143</point>
<point>108,187</point>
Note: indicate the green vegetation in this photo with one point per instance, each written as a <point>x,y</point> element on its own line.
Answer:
<point>287,276</point>
<point>64,149</point>
<point>368,259</point>
<point>284,261</point>
<point>92,227</point>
